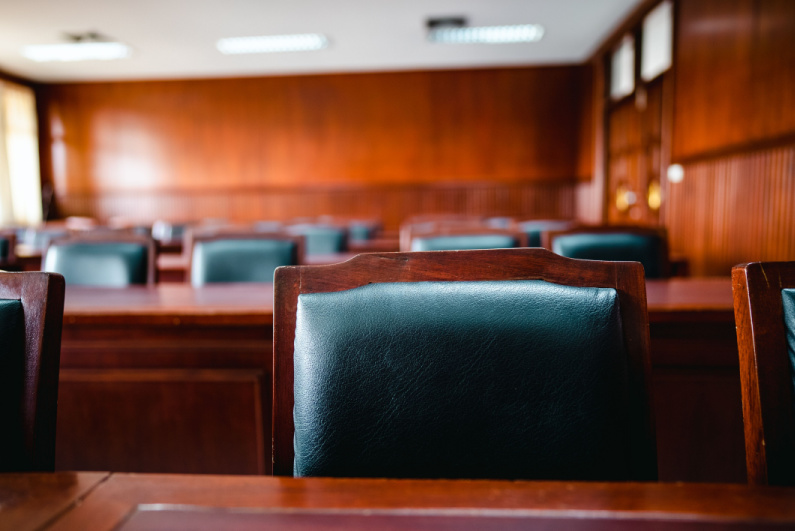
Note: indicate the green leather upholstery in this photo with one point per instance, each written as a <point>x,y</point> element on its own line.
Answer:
<point>106,264</point>
<point>492,379</point>
<point>614,246</point>
<point>360,231</point>
<point>461,242</point>
<point>535,228</point>
<point>240,260</point>
<point>4,245</point>
<point>320,239</point>
<point>788,299</point>
<point>12,371</point>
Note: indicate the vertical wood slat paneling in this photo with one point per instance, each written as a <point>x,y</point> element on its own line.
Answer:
<point>734,209</point>
<point>392,204</point>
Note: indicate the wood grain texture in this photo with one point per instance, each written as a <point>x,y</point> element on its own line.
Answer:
<point>587,505</point>
<point>735,73</point>
<point>765,370</point>
<point>390,203</point>
<point>31,501</point>
<point>226,137</point>
<point>501,264</point>
<point>734,209</point>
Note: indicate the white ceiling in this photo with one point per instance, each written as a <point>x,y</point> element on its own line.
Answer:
<point>176,38</point>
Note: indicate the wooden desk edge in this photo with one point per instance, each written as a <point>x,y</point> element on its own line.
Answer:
<point>116,498</point>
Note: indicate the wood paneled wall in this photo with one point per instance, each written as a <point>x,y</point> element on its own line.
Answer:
<point>507,141</point>
<point>734,133</point>
<point>735,77</point>
<point>734,209</point>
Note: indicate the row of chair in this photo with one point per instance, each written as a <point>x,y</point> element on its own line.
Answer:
<point>512,363</point>
<point>227,255</point>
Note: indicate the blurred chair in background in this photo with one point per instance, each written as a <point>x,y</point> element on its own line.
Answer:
<point>102,259</point>
<point>647,245</point>
<point>320,238</point>
<point>250,256</point>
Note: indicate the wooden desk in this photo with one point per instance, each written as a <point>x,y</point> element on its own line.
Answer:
<point>176,379</point>
<point>129,502</point>
<point>166,379</point>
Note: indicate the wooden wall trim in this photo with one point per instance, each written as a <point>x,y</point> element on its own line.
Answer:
<point>392,204</point>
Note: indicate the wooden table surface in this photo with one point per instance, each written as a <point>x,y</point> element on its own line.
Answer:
<point>99,501</point>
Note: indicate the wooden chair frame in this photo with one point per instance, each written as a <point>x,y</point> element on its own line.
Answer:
<point>547,238</point>
<point>101,237</point>
<point>42,297</point>
<point>765,372</point>
<point>499,264</point>
<point>236,234</point>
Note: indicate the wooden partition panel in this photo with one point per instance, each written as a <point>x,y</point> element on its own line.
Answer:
<point>734,209</point>
<point>246,146</point>
<point>735,68</point>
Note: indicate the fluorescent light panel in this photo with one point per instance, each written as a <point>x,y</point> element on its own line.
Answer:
<point>76,51</point>
<point>487,34</point>
<point>300,42</point>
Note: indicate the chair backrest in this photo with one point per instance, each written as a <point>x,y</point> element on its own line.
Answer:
<point>321,238</point>
<point>241,256</point>
<point>31,316</point>
<point>535,229</point>
<point>456,238</point>
<point>647,245</point>
<point>8,243</point>
<point>511,363</point>
<point>102,259</point>
<point>764,311</point>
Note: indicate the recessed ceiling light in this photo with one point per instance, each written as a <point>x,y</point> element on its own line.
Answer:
<point>76,51</point>
<point>300,42</point>
<point>486,34</point>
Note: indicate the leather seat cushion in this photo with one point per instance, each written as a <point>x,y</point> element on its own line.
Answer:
<point>622,247</point>
<point>464,242</point>
<point>240,260</point>
<point>503,379</point>
<point>320,239</point>
<point>114,264</point>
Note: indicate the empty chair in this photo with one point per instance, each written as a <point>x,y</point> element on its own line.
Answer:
<point>467,240</point>
<point>241,257</point>
<point>764,311</point>
<point>535,229</point>
<point>321,238</point>
<point>8,242</point>
<point>511,363</point>
<point>649,246</point>
<point>31,315</point>
<point>105,259</point>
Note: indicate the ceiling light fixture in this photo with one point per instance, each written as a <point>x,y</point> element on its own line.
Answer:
<point>87,46</point>
<point>300,42</point>
<point>454,30</point>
